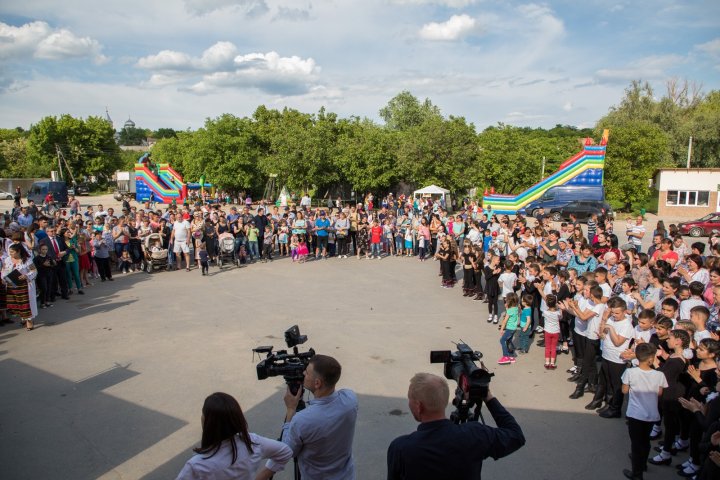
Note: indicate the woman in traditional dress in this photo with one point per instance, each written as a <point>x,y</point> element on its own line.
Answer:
<point>18,273</point>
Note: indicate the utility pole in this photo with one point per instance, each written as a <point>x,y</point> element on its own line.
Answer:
<point>689,152</point>
<point>542,172</point>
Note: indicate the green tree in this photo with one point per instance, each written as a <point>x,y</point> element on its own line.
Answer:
<point>164,133</point>
<point>635,150</point>
<point>133,136</point>
<point>88,146</point>
<point>405,111</point>
<point>13,158</point>
<point>367,156</point>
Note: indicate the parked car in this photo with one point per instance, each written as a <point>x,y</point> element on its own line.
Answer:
<point>558,197</point>
<point>5,195</point>
<point>582,210</point>
<point>702,227</point>
<point>82,189</point>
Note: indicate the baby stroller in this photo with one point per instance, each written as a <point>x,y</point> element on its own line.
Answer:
<point>155,256</point>
<point>226,249</point>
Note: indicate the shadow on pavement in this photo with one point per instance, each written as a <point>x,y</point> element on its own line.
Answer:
<point>54,428</point>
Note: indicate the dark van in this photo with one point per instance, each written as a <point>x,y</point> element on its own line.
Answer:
<point>562,195</point>
<point>39,190</point>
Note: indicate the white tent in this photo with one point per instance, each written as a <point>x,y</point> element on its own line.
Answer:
<point>434,192</point>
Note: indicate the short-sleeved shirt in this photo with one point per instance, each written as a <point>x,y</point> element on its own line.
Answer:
<point>644,387</point>
<point>322,222</point>
<point>637,230</point>
<point>525,316</point>
<point>181,230</point>
<point>610,351</point>
<point>508,280</point>
<point>512,321</point>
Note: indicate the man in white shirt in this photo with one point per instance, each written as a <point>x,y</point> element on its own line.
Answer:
<point>635,233</point>
<point>180,239</point>
<point>305,202</point>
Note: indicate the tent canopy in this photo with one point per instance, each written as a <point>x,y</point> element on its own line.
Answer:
<point>431,190</point>
<point>434,191</point>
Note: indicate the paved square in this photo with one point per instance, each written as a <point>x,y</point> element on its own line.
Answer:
<point>110,385</point>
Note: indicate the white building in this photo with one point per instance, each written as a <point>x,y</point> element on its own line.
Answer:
<point>687,193</point>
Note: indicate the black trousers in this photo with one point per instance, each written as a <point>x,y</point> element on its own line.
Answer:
<point>468,278</point>
<point>671,412</point>
<point>103,265</point>
<point>44,282</point>
<point>611,379</point>
<point>492,304</point>
<point>589,361</point>
<point>578,348</point>
<point>59,281</point>
<point>341,245</point>
<point>353,239</point>
<point>639,443</point>
<point>478,280</point>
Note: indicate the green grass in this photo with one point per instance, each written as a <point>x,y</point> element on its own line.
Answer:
<point>649,204</point>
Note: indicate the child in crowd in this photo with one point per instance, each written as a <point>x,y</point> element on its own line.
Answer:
<point>492,289</point>
<point>125,262</point>
<point>294,245</point>
<point>507,329</point>
<point>507,280</point>
<point>302,250</point>
<point>525,330</point>
<point>408,240</point>
<point>615,333</point>
<point>283,232</point>
<point>422,246</point>
<point>203,257</point>
<point>268,243</point>
<point>45,267</point>
<point>644,385</point>
<point>552,331</point>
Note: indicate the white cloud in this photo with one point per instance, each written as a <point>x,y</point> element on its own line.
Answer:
<point>218,57</point>
<point>446,3</point>
<point>542,18</point>
<point>268,72</point>
<point>711,48</point>
<point>39,40</point>
<point>204,7</point>
<point>568,106</point>
<point>648,68</point>
<point>220,67</point>
<point>454,28</point>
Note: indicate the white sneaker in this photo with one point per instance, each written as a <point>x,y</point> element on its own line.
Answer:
<point>490,318</point>
<point>539,329</point>
<point>495,319</point>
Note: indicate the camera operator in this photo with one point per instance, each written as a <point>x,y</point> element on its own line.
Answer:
<point>321,435</point>
<point>441,449</point>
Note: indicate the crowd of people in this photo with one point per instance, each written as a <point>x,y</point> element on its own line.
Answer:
<point>617,310</point>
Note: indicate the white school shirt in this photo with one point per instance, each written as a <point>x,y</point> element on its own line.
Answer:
<point>593,324</point>
<point>643,399</point>
<point>607,291</point>
<point>580,326</point>
<point>547,290</point>
<point>623,328</point>
<point>643,335</point>
<point>689,304</point>
<point>508,280</point>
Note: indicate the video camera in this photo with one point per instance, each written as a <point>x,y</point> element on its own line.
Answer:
<point>472,381</point>
<point>290,365</point>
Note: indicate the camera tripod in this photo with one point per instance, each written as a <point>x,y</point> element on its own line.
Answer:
<point>463,405</point>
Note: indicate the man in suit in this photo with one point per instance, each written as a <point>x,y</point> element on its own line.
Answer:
<point>57,250</point>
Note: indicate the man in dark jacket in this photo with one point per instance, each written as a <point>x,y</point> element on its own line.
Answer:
<point>441,449</point>
<point>57,249</point>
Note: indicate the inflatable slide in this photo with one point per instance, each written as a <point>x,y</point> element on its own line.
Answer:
<point>158,182</point>
<point>584,168</point>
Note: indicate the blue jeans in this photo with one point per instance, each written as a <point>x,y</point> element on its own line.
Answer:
<point>253,249</point>
<point>375,249</point>
<point>525,338</point>
<point>508,347</point>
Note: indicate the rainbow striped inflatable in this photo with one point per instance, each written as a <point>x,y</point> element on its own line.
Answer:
<point>584,168</point>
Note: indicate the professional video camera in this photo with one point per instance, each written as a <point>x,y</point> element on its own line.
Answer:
<point>472,381</point>
<point>290,365</point>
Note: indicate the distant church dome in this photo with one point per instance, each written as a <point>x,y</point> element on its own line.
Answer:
<point>129,123</point>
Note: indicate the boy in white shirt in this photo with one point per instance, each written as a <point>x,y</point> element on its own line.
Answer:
<point>644,385</point>
<point>615,333</point>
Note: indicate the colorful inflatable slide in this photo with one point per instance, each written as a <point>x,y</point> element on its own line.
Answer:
<point>584,168</point>
<point>158,182</point>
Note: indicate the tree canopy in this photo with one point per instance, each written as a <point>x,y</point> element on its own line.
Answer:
<point>416,145</point>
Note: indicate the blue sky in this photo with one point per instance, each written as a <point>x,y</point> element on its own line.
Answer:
<point>176,63</point>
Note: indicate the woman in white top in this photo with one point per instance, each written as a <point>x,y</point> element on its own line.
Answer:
<point>227,450</point>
